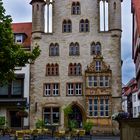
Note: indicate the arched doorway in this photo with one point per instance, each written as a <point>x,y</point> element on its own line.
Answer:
<point>76,115</point>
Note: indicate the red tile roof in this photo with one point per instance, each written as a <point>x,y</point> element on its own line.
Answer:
<point>136,10</point>
<point>25,28</point>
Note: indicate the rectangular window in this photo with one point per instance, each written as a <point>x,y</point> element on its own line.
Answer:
<point>51,116</point>
<point>70,89</point>
<point>95,81</point>
<point>17,87</point>
<point>106,107</point>
<point>134,98</point>
<point>90,107</point>
<point>106,81</point>
<point>56,89</point>
<point>4,90</point>
<point>98,106</point>
<point>74,89</point>
<point>90,81</point>
<point>101,81</point>
<point>78,89</point>
<point>48,90</point>
<point>134,112</point>
<point>95,113</point>
<point>51,89</point>
<point>101,107</point>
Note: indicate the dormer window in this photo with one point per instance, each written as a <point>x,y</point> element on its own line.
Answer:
<point>19,39</point>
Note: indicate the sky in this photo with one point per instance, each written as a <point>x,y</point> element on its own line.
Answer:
<point>20,10</point>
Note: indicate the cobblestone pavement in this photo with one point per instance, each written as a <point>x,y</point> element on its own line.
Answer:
<point>76,138</point>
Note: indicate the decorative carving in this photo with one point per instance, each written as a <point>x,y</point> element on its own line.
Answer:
<point>104,67</point>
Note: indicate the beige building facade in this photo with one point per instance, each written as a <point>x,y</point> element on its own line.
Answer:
<point>79,64</point>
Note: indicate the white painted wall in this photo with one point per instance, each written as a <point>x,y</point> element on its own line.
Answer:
<point>25,70</point>
<point>124,103</point>
<point>135,104</point>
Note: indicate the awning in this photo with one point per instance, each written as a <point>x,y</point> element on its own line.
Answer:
<point>13,101</point>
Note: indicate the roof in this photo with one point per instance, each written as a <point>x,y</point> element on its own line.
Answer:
<point>32,1</point>
<point>23,28</point>
<point>136,11</point>
<point>130,87</point>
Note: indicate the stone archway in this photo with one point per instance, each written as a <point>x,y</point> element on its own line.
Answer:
<point>78,114</point>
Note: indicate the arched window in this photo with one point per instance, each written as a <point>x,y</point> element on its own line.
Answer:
<point>78,69</point>
<point>84,25</point>
<point>75,69</point>
<point>67,26</point>
<point>98,65</point>
<point>70,72</point>
<point>92,48</point>
<point>78,8</point>
<point>115,5</point>
<point>98,48</point>
<point>54,49</point>
<point>95,48</point>
<point>103,6</point>
<point>37,7</point>
<point>48,16</point>
<point>74,49</point>
<point>52,69</point>
<point>75,10</point>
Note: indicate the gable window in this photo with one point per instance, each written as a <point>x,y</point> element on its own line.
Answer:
<point>75,69</point>
<point>67,26</point>
<point>98,106</point>
<point>74,89</point>
<point>98,65</point>
<point>51,89</point>
<point>51,115</point>
<point>52,69</point>
<point>75,10</point>
<point>74,49</point>
<point>84,25</point>
<point>54,49</point>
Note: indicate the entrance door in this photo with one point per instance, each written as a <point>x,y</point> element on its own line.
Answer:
<point>76,115</point>
<point>14,120</point>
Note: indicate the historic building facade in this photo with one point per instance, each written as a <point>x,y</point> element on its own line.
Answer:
<point>15,95</point>
<point>80,62</point>
<point>135,5</point>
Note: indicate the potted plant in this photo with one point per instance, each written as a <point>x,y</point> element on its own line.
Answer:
<point>72,124</point>
<point>22,113</point>
<point>87,126</point>
<point>40,124</point>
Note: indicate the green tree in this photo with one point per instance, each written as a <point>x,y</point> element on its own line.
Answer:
<point>11,55</point>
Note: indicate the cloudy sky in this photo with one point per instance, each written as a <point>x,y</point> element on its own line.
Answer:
<point>20,10</point>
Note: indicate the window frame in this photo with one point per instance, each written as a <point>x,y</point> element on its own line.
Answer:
<point>98,110</point>
<point>74,89</point>
<point>51,90</point>
<point>52,69</point>
<point>75,69</point>
<point>67,26</point>
<point>51,113</point>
